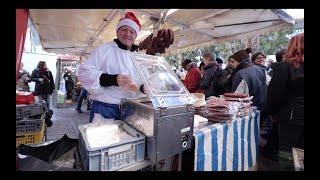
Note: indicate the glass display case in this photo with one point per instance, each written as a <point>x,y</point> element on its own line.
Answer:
<point>163,86</point>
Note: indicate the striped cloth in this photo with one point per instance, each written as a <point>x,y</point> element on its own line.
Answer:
<point>228,146</point>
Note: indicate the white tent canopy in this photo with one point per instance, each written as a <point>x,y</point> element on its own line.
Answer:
<point>78,31</point>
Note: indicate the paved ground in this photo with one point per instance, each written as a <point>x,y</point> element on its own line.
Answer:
<point>66,121</point>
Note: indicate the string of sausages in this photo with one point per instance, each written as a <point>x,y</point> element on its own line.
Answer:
<point>158,44</point>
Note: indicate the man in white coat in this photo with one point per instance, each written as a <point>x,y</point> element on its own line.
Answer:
<point>109,74</point>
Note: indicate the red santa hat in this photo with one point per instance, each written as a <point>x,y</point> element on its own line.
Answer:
<point>130,20</point>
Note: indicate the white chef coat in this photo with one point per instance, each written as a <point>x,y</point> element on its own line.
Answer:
<point>108,58</point>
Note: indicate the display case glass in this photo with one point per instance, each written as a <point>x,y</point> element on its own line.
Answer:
<point>163,85</point>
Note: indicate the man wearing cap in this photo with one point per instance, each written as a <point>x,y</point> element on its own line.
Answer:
<point>109,74</point>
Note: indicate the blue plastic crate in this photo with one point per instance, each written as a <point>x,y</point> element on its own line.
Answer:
<point>114,156</point>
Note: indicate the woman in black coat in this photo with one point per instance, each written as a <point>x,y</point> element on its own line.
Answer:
<point>285,98</point>
<point>44,82</point>
<point>224,77</point>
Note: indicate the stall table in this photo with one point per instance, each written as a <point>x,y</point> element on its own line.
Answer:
<point>228,146</point>
<point>225,146</point>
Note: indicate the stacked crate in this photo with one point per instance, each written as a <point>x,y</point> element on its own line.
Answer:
<point>30,123</point>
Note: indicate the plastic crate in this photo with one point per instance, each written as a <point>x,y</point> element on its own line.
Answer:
<point>31,138</point>
<point>29,125</point>
<point>25,111</point>
<point>114,156</point>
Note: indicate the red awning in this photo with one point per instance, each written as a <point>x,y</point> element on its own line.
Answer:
<point>21,28</point>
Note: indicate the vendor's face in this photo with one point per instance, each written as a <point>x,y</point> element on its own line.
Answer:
<point>126,35</point>
<point>233,63</point>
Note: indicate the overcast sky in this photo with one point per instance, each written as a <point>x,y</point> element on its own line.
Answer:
<point>296,13</point>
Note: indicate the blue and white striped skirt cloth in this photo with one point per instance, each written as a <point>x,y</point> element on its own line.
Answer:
<point>228,146</point>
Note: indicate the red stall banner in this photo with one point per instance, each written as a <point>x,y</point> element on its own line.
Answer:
<point>21,28</point>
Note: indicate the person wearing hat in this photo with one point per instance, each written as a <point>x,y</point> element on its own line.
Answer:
<point>248,78</point>
<point>109,74</point>
<point>193,76</point>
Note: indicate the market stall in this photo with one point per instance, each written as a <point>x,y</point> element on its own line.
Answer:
<point>159,127</point>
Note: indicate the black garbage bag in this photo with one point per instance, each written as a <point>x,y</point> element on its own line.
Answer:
<point>50,152</point>
<point>33,164</point>
<point>67,162</point>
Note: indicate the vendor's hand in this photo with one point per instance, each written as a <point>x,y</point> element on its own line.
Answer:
<point>124,80</point>
<point>131,87</point>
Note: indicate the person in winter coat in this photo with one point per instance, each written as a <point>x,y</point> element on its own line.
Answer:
<point>224,77</point>
<point>109,74</point>
<point>209,80</point>
<point>271,148</point>
<point>285,99</point>
<point>248,78</point>
<point>43,78</point>
<point>193,76</point>
<point>259,59</point>
<point>220,62</point>
<point>280,54</point>
<point>68,83</point>
<point>279,57</point>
